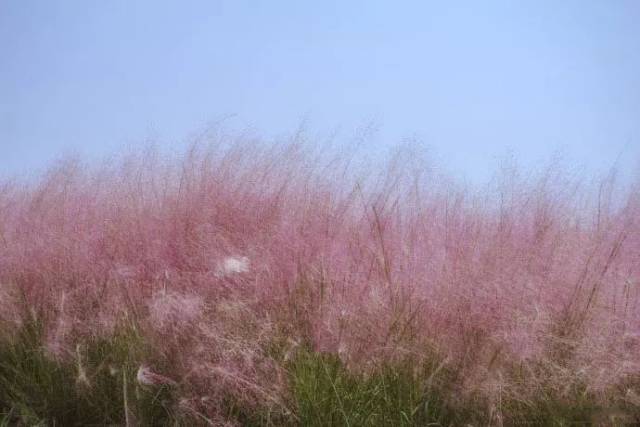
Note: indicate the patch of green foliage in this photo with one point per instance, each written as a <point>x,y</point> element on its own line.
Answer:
<point>405,394</point>
<point>97,386</point>
<point>550,409</point>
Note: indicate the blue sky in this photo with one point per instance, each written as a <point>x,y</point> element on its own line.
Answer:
<point>474,81</point>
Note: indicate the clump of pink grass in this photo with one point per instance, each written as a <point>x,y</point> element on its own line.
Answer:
<point>238,244</point>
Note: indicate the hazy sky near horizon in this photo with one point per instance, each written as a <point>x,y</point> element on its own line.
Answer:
<point>473,81</point>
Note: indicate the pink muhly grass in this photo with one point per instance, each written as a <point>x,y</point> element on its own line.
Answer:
<point>232,265</point>
<point>217,255</point>
<point>145,376</point>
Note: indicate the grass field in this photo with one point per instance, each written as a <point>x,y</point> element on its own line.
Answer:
<point>246,283</point>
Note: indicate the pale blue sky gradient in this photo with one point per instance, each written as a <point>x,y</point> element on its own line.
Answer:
<point>473,80</point>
